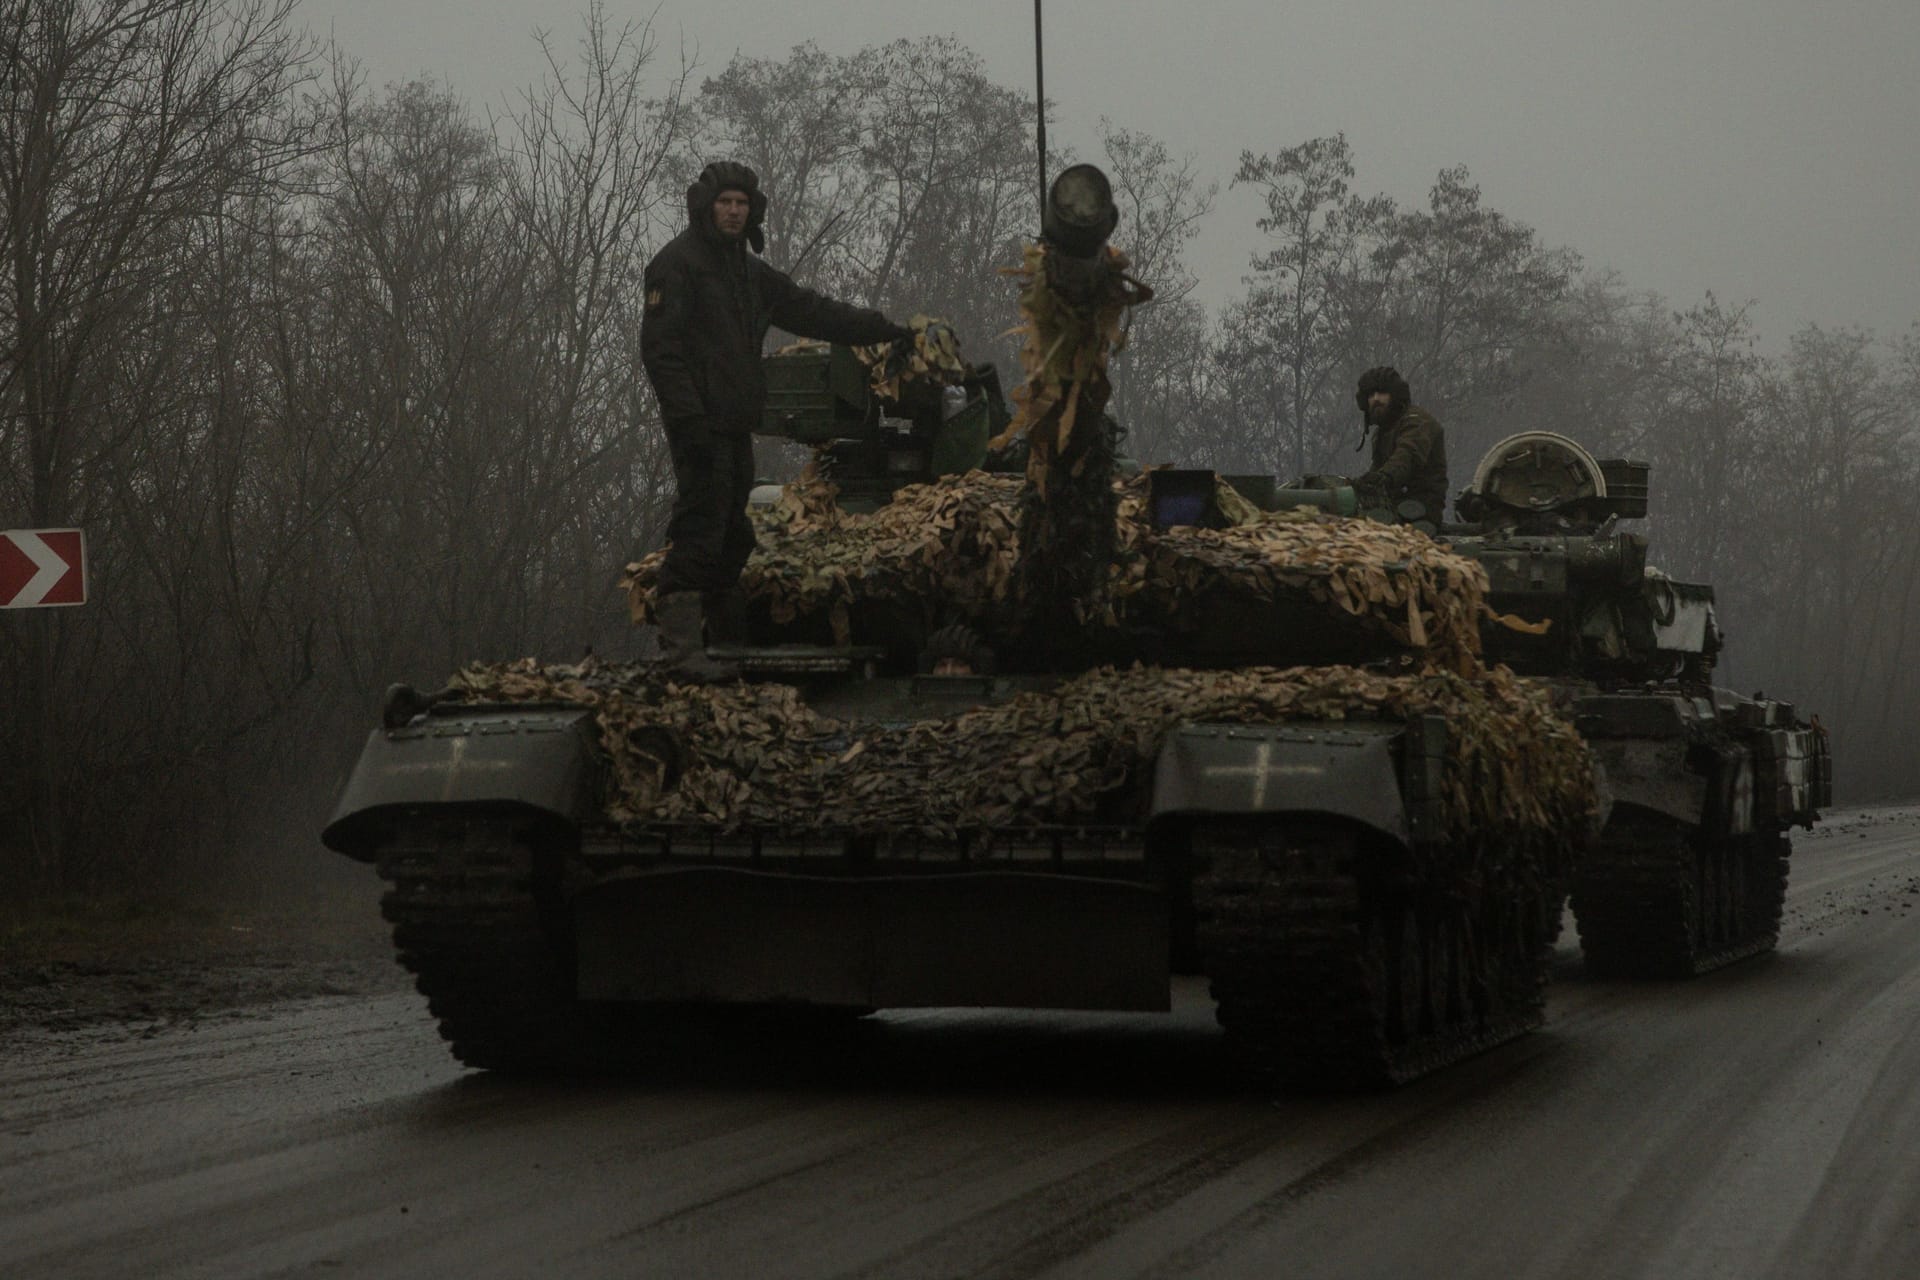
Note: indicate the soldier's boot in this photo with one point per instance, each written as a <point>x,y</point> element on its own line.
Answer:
<point>680,616</point>
<point>726,617</point>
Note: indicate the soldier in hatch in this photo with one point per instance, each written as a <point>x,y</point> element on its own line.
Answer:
<point>709,303</point>
<point>1409,445</point>
<point>956,650</point>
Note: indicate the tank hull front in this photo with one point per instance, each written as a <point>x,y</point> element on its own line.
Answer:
<point>1303,865</point>
<point>989,938</point>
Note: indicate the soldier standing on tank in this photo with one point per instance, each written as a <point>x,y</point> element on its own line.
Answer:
<point>709,303</point>
<point>1409,445</point>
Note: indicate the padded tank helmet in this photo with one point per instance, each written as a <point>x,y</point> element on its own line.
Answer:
<point>1383,378</point>
<point>958,644</point>
<point>727,175</point>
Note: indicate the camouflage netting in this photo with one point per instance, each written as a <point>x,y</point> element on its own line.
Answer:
<point>1518,781</point>
<point>954,543</point>
<point>953,551</point>
<point>933,357</point>
<point>754,755</point>
<point>1069,341</point>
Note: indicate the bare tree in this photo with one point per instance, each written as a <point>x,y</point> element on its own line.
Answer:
<point>1292,319</point>
<point>1161,201</point>
<point>122,122</point>
<point>951,157</point>
<point>797,122</point>
<point>589,183</point>
<point>1837,423</point>
<point>1464,287</point>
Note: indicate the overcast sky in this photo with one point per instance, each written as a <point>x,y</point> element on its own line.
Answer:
<point>1763,149</point>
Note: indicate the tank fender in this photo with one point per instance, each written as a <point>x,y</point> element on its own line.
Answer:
<point>1350,772</point>
<point>1643,747</point>
<point>545,761</point>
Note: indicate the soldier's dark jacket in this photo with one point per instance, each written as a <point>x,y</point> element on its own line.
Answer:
<point>1410,461</point>
<point>709,303</point>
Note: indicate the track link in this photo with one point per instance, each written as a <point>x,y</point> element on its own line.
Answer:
<point>468,925</point>
<point>1328,977</point>
<point>1655,899</point>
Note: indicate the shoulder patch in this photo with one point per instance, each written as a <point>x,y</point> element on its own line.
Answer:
<point>656,298</point>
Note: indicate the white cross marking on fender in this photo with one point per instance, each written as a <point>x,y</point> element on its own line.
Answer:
<point>1262,771</point>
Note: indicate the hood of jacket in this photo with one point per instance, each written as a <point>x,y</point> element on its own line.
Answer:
<point>726,175</point>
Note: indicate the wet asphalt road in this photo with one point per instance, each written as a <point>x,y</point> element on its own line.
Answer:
<point>1760,1122</point>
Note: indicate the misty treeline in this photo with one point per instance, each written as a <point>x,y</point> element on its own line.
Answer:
<point>342,382</point>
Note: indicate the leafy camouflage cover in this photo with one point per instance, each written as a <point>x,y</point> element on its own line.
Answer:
<point>1079,753</point>
<point>956,543</point>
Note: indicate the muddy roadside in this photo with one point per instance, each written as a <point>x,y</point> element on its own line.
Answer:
<point>146,965</point>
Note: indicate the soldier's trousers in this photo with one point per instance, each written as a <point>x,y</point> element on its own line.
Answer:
<point>708,536</point>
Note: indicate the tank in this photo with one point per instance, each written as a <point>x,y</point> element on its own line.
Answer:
<point>1690,870</point>
<point>1363,842</point>
<point>1035,740</point>
<point>1367,863</point>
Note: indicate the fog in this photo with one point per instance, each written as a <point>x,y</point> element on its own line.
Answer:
<point>1762,149</point>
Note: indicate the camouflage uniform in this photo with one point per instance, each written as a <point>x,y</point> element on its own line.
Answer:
<point>1410,461</point>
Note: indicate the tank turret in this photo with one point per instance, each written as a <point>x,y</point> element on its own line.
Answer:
<point>1573,594</point>
<point>1690,871</point>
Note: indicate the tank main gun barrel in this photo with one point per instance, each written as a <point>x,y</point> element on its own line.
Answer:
<point>1080,213</point>
<point>1075,293</point>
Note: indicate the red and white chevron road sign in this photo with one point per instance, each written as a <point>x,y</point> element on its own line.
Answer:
<point>42,567</point>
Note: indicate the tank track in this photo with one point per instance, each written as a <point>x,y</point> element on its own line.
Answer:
<point>1327,977</point>
<point>1655,899</point>
<point>468,925</point>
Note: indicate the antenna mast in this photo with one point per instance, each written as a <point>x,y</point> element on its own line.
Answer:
<point>1040,96</point>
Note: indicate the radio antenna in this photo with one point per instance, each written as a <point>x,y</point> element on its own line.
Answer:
<point>1040,96</point>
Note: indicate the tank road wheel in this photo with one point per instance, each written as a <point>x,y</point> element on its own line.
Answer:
<point>1657,900</point>
<point>1330,975</point>
<point>494,964</point>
